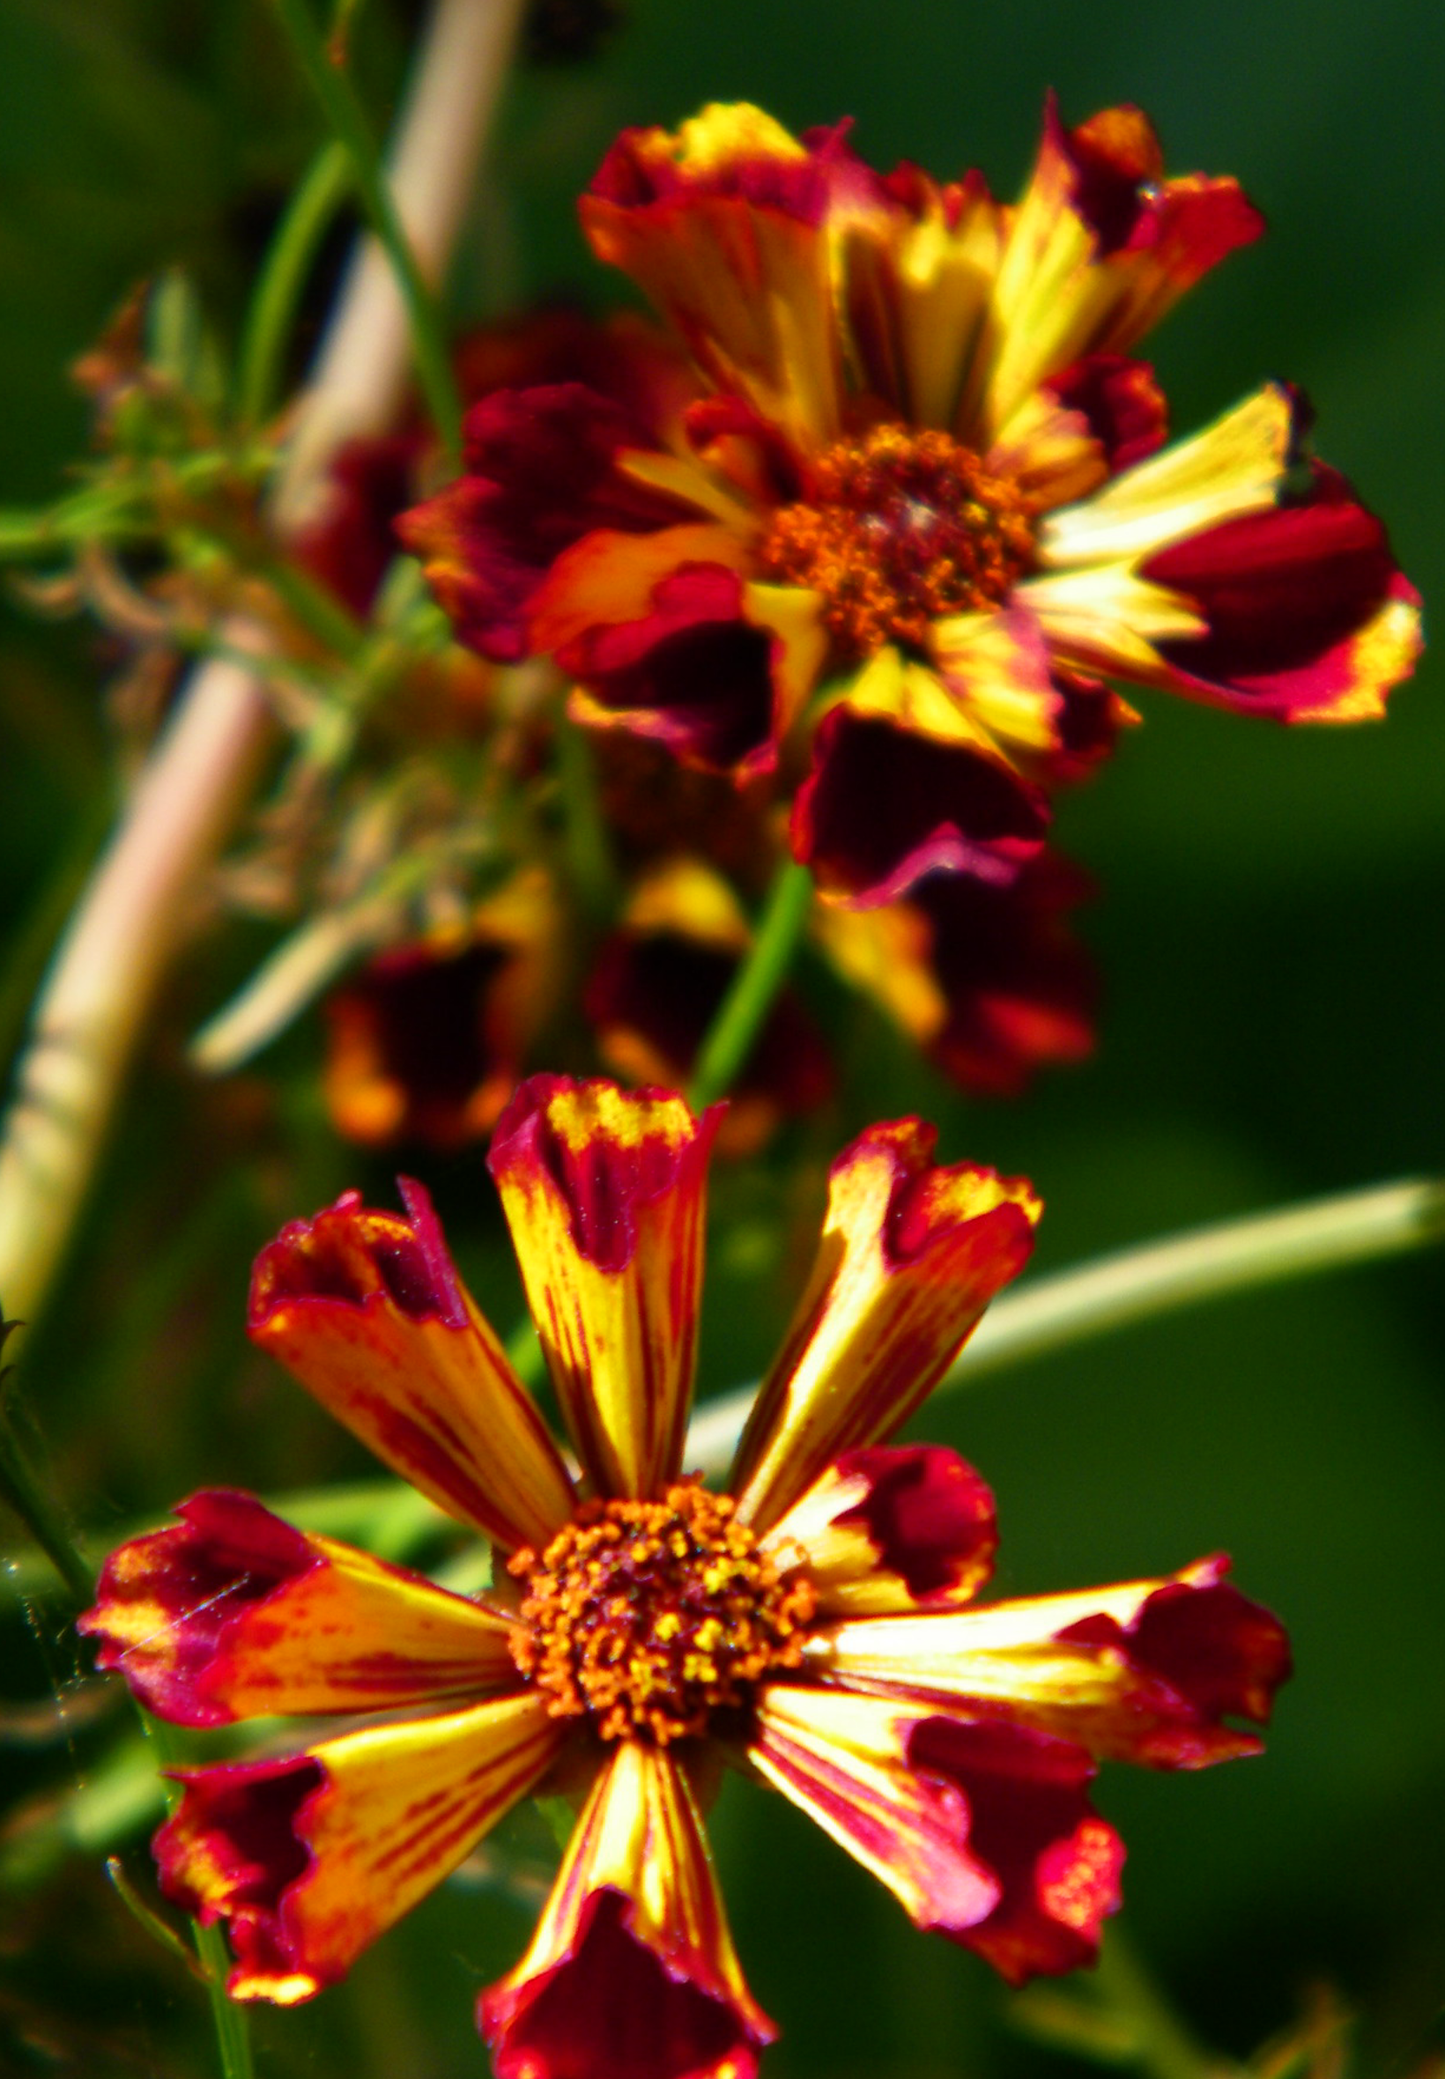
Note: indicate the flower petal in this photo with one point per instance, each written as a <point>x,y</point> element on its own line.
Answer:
<point>982,1831</point>
<point>1306,616</point>
<point>1084,425</point>
<point>631,1973</point>
<point>724,226</point>
<point>883,806</point>
<point>604,1192</point>
<point>694,672</point>
<point>366,1310</point>
<point>1234,467</point>
<point>910,1256</point>
<point>887,1529</point>
<point>1100,247</point>
<point>308,1858</point>
<point>542,471</point>
<point>233,1614</point>
<point>844,1761</point>
<point>426,1043</point>
<point>1147,1671</point>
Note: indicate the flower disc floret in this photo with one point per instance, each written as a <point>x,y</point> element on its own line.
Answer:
<point>650,1616</point>
<point>902,528</point>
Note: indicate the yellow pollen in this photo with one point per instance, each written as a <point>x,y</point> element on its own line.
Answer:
<point>901,528</point>
<point>648,1617</point>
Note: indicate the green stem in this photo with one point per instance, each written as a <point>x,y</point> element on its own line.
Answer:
<point>343,112</point>
<point>744,1009</point>
<point>288,261</point>
<point>1158,1277</point>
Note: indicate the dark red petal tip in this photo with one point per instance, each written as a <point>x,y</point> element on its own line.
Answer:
<point>353,1255</point>
<point>927,1513</point>
<point>616,2009</point>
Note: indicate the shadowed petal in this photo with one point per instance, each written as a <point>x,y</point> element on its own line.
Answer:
<point>631,1973</point>
<point>308,1858</point>
<point>1149,1671</point>
<point>883,806</point>
<point>604,1192</point>
<point>365,1308</point>
<point>892,1528</point>
<point>910,1257</point>
<point>233,1614</point>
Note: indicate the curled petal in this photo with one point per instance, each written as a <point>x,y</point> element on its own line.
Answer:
<point>604,1192</point>
<point>1306,616</point>
<point>1085,425</point>
<point>308,1858</point>
<point>895,1528</point>
<point>366,1310</point>
<point>1148,1672</point>
<point>631,1973</point>
<point>694,672</point>
<point>725,227</point>
<point>844,1761</point>
<point>883,806</point>
<point>542,469</point>
<point>910,1256</point>
<point>1101,246</point>
<point>982,1831</point>
<point>233,1614</point>
<point>1056,1863</point>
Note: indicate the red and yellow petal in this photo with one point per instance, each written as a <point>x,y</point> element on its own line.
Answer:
<point>631,1973</point>
<point>365,1308</point>
<point>1151,1671</point>
<point>1306,616</point>
<point>1100,247</point>
<point>725,225</point>
<point>892,1528</point>
<point>910,1256</point>
<point>306,1859</point>
<point>983,1832</point>
<point>233,1614</point>
<point>604,1192</point>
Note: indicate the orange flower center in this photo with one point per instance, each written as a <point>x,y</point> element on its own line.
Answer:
<point>648,1617</point>
<point>903,528</point>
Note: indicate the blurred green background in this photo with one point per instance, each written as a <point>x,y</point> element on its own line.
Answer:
<point>1269,929</point>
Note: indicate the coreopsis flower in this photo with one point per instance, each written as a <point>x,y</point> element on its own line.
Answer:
<point>814,1624</point>
<point>901,505</point>
<point>426,1043</point>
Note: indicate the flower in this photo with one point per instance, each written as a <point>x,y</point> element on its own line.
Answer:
<point>900,502</point>
<point>814,1624</point>
<point>426,1043</point>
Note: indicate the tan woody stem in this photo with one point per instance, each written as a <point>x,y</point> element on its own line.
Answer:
<point>125,928</point>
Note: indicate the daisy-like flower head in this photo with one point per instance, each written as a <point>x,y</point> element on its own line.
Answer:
<point>899,504</point>
<point>814,1624</point>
